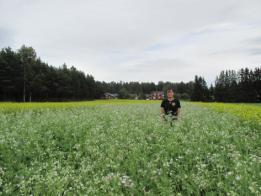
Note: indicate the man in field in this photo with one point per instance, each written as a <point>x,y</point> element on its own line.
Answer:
<point>170,106</point>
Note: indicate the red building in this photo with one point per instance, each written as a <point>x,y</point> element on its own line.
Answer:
<point>157,95</point>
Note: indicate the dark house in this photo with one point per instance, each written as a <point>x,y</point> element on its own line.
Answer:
<point>111,95</point>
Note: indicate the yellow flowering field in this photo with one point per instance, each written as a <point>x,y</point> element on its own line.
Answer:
<point>14,106</point>
<point>250,112</point>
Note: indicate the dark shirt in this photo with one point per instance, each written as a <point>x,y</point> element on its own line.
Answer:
<point>171,107</point>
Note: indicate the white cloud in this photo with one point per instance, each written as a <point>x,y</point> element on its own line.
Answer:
<point>143,40</point>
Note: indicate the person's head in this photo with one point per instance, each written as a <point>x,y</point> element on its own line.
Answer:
<point>170,93</point>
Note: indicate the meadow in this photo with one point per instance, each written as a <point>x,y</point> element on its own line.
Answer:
<point>123,147</point>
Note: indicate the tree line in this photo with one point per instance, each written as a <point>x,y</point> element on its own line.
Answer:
<point>25,77</point>
<point>243,85</point>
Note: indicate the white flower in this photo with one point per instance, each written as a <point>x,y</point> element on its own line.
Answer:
<point>126,181</point>
<point>238,177</point>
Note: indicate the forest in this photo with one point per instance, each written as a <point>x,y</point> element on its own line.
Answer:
<point>25,77</point>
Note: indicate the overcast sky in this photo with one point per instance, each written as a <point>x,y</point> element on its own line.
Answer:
<point>137,40</point>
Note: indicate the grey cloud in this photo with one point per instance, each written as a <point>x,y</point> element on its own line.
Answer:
<point>6,37</point>
<point>114,39</point>
<point>159,65</point>
<point>256,40</point>
<point>244,51</point>
<point>255,51</point>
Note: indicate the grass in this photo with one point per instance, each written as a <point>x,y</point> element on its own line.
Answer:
<point>125,149</point>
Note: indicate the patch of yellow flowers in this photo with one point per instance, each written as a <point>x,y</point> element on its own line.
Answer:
<point>250,112</point>
<point>14,106</point>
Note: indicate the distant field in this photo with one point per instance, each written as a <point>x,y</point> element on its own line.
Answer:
<point>256,104</point>
<point>250,112</point>
<point>14,106</point>
<point>121,147</point>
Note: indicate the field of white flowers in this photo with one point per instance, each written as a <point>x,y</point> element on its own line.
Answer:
<point>128,150</point>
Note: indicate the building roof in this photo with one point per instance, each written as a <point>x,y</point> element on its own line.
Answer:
<point>111,94</point>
